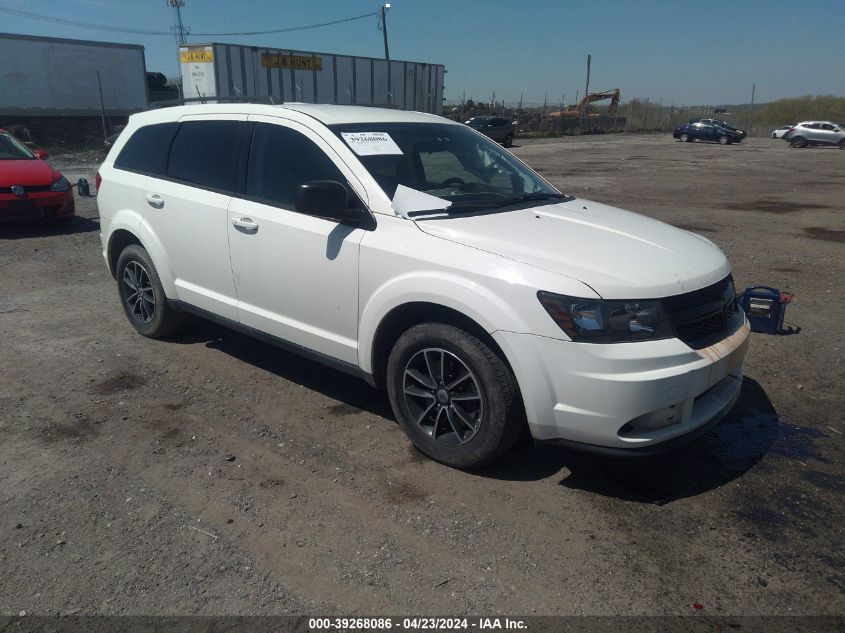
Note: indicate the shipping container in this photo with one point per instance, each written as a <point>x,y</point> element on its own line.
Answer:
<point>48,76</point>
<point>230,70</point>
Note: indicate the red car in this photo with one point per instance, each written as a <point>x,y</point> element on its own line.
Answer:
<point>29,187</point>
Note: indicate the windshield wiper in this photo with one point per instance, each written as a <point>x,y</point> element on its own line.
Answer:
<point>539,195</point>
<point>470,207</point>
<point>529,197</point>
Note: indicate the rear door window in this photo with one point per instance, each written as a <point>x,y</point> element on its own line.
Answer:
<point>205,153</point>
<point>147,149</point>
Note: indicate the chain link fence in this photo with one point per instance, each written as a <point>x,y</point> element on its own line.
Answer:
<point>637,115</point>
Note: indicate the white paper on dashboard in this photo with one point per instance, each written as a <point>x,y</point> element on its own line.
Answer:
<point>416,205</point>
<point>371,143</point>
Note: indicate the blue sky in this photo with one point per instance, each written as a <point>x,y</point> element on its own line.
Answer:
<point>706,52</point>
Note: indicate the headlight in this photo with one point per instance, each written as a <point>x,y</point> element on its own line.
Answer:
<point>60,185</point>
<point>597,321</point>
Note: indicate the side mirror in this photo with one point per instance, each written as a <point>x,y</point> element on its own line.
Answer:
<point>326,199</point>
<point>40,153</point>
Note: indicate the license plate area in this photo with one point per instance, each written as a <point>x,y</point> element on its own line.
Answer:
<point>22,210</point>
<point>21,205</point>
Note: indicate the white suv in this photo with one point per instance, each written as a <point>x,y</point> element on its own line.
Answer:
<point>419,255</point>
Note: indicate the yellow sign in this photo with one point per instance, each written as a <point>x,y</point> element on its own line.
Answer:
<point>191,57</point>
<point>296,62</point>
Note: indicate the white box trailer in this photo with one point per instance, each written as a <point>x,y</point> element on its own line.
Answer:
<point>230,70</point>
<point>48,76</point>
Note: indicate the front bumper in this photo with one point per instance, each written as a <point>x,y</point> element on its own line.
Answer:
<point>49,205</point>
<point>629,396</point>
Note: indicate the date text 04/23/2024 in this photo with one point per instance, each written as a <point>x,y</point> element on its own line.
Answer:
<point>420,623</point>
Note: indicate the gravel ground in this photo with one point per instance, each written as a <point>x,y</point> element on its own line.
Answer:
<point>212,474</point>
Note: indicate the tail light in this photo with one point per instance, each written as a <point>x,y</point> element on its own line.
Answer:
<point>98,180</point>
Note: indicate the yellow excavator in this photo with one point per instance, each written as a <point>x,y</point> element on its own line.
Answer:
<point>572,111</point>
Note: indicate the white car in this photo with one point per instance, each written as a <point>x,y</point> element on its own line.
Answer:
<point>783,129</point>
<point>419,255</point>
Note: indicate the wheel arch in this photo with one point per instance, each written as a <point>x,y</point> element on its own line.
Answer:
<point>404,316</point>
<point>125,234</point>
<point>119,240</point>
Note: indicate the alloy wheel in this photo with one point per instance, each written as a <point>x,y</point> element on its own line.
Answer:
<point>139,296</point>
<point>443,396</point>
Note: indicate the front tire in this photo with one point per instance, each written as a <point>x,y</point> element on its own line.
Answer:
<point>454,396</point>
<point>508,140</point>
<point>684,138</point>
<point>724,140</point>
<point>142,295</point>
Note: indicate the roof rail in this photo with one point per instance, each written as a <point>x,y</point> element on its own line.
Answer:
<point>268,99</point>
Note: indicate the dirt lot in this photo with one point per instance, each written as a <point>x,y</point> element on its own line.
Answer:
<point>215,475</point>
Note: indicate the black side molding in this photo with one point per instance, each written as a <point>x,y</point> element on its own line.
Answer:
<point>319,357</point>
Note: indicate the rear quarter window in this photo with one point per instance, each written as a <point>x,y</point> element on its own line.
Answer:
<point>146,150</point>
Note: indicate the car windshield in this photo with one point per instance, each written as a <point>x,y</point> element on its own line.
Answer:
<point>12,149</point>
<point>449,161</point>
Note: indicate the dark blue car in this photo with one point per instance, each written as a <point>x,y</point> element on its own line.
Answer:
<point>702,131</point>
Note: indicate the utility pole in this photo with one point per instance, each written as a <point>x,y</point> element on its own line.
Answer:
<point>178,27</point>
<point>384,10</point>
<point>751,114</point>
<point>560,118</point>
<point>102,107</point>
<point>181,33</point>
<point>587,89</point>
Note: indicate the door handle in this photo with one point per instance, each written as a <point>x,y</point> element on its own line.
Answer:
<point>154,200</point>
<point>245,223</point>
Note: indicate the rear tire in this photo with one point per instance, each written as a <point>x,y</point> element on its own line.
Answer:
<point>457,401</point>
<point>842,144</point>
<point>508,140</point>
<point>142,295</point>
<point>798,141</point>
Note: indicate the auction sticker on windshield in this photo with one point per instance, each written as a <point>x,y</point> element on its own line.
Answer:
<point>371,143</point>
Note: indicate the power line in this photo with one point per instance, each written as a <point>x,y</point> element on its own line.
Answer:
<point>104,27</point>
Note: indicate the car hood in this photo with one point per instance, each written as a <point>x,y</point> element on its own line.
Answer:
<point>27,173</point>
<point>621,255</point>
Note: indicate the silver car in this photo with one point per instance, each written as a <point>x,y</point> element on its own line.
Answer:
<point>816,133</point>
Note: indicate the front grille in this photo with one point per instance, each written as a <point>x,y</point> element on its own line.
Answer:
<point>32,189</point>
<point>702,317</point>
